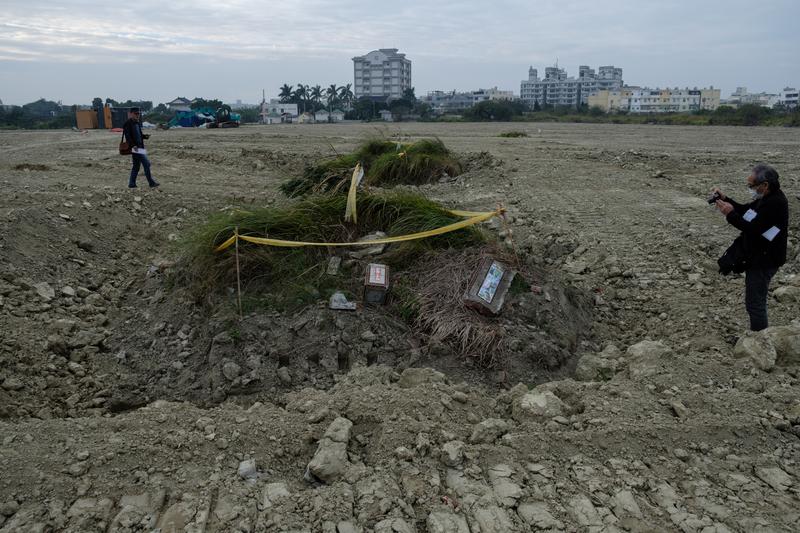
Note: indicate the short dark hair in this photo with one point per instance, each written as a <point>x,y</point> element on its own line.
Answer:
<point>134,110</point>
<point>765,173</point>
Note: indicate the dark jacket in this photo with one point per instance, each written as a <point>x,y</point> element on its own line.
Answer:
<point>771,212</point>
<point>133,133</point>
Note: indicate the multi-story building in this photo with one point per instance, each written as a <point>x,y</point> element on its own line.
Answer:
<point>481,95</point>
<point>741,96</point>
<point>381,74</point>
<point>277,112</point>
<point>789,97</point>
<point>558,89</point>
<point>646,100</point>
<point>442,102</point>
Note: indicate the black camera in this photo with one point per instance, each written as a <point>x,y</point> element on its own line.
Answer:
<point>714,197</point>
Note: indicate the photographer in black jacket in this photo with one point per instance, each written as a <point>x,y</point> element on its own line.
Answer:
<point>764,224</point>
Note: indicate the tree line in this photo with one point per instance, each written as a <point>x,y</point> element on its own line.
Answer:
<point>46,114</point>
<point>310,98</point>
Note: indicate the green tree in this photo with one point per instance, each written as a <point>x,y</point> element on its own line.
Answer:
<point>332,96</point>
<point>346,95</point>
<point>496,110</point>
<point>365,108</point>
<point>285,93</point>
<point>315,94</point>
<point>300,95</point>
<point>199,103</point>
<point>97,103</point>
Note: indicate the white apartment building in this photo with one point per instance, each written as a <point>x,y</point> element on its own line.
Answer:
<point>789,97</point>
<point>556,88</point>
<point>381,74</point>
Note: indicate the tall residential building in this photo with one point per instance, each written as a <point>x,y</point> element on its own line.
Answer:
<point>556,88</point>
<point>381,74</point>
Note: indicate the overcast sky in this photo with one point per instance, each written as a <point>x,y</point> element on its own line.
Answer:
<point>74,50</point>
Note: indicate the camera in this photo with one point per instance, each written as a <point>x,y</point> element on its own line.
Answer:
<point>714,197</point>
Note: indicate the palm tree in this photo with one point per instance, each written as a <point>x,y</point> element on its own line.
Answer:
<point>332,94</point>
<point>316,94</point>
<point>285,93</point>
<point>301,95</point>
<point>346,95</point>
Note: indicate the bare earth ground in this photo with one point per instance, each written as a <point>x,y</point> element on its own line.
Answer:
<point>125,407</point>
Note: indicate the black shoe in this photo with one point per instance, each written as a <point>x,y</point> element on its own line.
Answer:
<point>154,185</point>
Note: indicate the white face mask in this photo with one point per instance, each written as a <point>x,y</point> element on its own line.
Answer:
<point>755,194</point>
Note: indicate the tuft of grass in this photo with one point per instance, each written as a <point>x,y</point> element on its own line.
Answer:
<point>297,276</point>
<point>384,162</point>
<point>513,134</point>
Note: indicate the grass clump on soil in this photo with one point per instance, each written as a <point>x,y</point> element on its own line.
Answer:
<point>385,163</point>
<point>513,134</point>
<point>290,277</point>
<point>429,297</point>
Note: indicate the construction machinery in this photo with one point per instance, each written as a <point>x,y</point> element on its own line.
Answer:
<point>225,118</point>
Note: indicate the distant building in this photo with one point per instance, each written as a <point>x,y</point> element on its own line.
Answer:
<point>482,95</point>
<point>558,89</point>
<point>742,96</point>
<point>337,115</point>
<point>381,74</point>
<point>789,97</point>
<point>386,115</point>
<point>646,100</point>
<point>277,112</point>
<point>306,118</point>
<point>180,104</point>
<point>443,102</point>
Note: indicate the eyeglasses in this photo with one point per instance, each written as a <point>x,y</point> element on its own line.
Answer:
<point>752,185</point>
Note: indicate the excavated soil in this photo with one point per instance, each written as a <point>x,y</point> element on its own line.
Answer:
<point>126,406</point>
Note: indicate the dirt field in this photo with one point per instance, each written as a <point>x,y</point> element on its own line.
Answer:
<point>126,407</point>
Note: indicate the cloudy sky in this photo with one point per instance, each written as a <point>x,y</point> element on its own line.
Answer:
<point>74,50</point>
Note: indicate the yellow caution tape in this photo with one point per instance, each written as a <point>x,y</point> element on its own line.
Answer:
<point>475,218</point>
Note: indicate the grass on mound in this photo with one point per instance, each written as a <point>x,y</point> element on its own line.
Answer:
<point>385,163</point>
<point>513,134</point>
<point>297,276</point>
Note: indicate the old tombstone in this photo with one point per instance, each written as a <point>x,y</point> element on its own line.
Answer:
<point>489,286</point>
<point>376,284</point>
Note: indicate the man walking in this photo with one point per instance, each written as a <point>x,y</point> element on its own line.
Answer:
<point>764,224</point>
<point>133,134</point>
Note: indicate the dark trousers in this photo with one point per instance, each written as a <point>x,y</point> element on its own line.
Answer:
<point>756,287</point>
<point>140,160</point>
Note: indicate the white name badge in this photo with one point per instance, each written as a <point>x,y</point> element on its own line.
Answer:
<point>749,215</point>
<point>771,233</point>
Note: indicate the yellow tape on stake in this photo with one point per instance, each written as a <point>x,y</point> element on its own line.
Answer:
<point>475,218</point>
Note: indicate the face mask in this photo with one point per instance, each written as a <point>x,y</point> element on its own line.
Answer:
<point>755,195</point>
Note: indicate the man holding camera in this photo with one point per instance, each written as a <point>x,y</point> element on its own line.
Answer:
<point>764,224</point>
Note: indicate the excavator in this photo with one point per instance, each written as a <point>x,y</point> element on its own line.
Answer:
<point>224,118</point>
